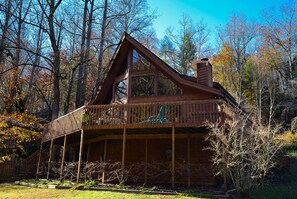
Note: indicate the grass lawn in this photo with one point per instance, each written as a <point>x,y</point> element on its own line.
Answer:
<point>16,191</point>
<point>276,191</point>
<point>286,188</point>
<point>293,153</point>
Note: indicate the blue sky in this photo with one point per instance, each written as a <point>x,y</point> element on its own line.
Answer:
<point>213,12</point>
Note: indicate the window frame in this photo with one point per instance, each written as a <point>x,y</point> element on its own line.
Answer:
<point>144,75</point>
<point>154,71</point>
<point>115,82</point>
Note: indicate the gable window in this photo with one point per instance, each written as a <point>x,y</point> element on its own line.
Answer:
<point>167,87</point>
<point>146,80</point>
<point>120,89</point>
<point>140,63</point>
<point>142,86</point>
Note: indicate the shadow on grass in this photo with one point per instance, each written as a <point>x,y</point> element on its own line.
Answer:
<point>9,187</point>
<point>285,188</point>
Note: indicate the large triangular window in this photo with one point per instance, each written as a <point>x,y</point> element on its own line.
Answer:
<point>148,80</point>
<point>139,62</point>
<point>167,87</point>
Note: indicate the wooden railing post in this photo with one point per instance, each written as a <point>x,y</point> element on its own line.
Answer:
<point>80,154</point>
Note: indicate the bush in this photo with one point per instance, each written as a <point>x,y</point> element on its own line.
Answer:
<point>294,125</point>
<point>243,151</point>
<point>288,140</point>
<point>90,183</point>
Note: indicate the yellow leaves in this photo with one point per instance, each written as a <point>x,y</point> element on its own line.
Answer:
<point>3,124</point>
<point>27,120</point>
<point>288,139</point>
<point>224,71</point>
<point>17,129</point>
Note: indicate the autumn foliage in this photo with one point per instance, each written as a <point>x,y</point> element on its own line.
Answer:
<point>16,130</point>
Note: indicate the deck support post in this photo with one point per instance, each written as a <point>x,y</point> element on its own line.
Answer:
<point>173,156</point>
<point>104,161</point>
<point>145,169</point>
<point>80,154</point>
<point>63,158</point>
<point>189,162</point>
<point>39,159</point>
<point>50,159</point>
<point>123,151</point>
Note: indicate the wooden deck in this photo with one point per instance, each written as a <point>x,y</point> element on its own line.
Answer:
<point>140,115</point>
<point>66,124</point>
<point>152,115</point>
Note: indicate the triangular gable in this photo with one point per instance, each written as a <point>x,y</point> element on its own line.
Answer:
<point>127,43</point>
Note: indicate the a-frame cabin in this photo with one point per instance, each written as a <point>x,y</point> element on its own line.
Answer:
<point>147,117</point>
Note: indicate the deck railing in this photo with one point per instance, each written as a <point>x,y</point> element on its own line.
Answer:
<point>140,115</point>
<point>179,114</point>
<point>66,124</point>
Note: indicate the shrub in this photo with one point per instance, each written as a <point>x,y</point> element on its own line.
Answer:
<point>294,125</point>
<point>243,151</point>
<point>90,183</point>
<point>288,140</point>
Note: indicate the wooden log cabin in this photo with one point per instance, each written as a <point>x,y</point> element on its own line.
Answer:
<point>146,114</point>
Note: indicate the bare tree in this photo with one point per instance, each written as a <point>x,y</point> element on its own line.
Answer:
<point>243,151</point>
<point>5,8</point>
<point>17,91</point>
<point>264,87</point>
<point>280,29</point>
<point>81,68</point>
<point>84,53</point>
<point>101,50</point>
<point>131,16</point>
<point>202,40</point>
<point>35,63</point>
<point>237,35</point>
<point>74,62</point>
<point>54,34</point>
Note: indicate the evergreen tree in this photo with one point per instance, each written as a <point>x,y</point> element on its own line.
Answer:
<point>167,51</point>
<point>184,42</point>
<point>187,54</point>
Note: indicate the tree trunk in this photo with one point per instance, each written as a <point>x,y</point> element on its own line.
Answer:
<point>56,61</point>
<point>5,30</point>
<point>79,97</point>
<point>71,74</point>
<point>18,90</point>
<point>100,56</point>
<point>67,102</point>
<point>87,53</point>
<point>30,95</point>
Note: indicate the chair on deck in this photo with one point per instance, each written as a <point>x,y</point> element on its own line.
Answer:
<point>160,118</point>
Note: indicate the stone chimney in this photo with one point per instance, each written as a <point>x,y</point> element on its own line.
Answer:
<point>204,72</point>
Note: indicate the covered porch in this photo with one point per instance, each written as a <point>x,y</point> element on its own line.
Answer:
<point>172,156</point>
